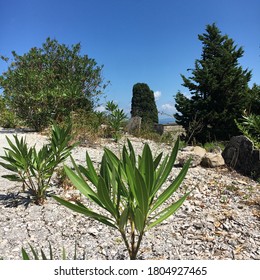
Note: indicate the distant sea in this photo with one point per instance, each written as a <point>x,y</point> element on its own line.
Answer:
<point>166,120</point>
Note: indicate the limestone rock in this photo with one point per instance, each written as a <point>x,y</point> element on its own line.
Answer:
<point>212,160</point>
<point>196,153</point>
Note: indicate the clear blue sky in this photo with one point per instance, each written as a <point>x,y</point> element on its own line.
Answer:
<point>150,41</point>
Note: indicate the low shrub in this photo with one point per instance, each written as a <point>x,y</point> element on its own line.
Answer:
<point>8,118</point>
<point>250,127</point>
<point>42,256</point>
<point>116,119</point>
<point>34,169</point>
<point>214,146</point>
<point>129,190</point>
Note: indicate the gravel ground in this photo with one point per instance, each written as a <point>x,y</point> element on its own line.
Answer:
<point>220,219</point>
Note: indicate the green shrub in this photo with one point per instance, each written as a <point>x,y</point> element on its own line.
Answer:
<point>42,255</point>
<point>116,118</point>
<point>211,146</point>
<point>49,82</point>
<point>86,126</point>
<point>250,127</point>
<point>129,190</point>
<point>8,118</point>
<point>34,169</point>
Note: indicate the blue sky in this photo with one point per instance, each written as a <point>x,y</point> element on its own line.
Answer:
<point>149,41</point>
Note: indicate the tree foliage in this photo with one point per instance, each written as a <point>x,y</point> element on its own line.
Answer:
<point>143,104</point>
<point>218,87</point>
<point>7,117</point>
<point>50,82</point>
<point>253,100</point>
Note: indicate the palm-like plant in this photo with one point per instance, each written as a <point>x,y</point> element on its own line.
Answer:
<point>129,190</point>
<point>34,169</point>
<point>42,256</point>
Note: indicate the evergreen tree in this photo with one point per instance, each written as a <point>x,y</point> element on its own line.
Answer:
<point>253,102</point>
<point>143,104</point>
<point>218,88</point>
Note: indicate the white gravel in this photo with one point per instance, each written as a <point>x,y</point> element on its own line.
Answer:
<point>220,220</point>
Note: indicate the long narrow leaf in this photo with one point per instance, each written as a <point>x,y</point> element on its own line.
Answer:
<point>13,177</point>
<point>43,255</point>
<point>79,183</point>
<point>148,169</point>
<point>10,167</point>
<point>168,211</point>
<point>132,152</point>
<point>35,254</point>
<point>104,197</point>
<point>112,157</point>
<point>123,218</point>
<point>172,188</point>
<point>141,192</point>
<point>157,161</point>
<point>168,167</point>
<point>85,211</point>
<point>139,219</point>
<point>93,177</point>
<point>25,255</point>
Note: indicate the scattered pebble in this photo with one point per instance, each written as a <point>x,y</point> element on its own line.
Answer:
<point>220,219</point>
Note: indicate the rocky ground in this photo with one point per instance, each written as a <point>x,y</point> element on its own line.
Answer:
<point>220,219</point>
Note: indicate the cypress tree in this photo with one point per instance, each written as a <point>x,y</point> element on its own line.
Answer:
<point>218,88</point>
<point>143,104</point>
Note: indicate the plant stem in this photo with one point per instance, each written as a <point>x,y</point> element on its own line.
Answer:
<point>132,240</point>
<point>126,242</point>
<point>138,245</point>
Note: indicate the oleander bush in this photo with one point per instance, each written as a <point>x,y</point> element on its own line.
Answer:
<point>116,118</point>
<point>34,169</point>
<point>131,189</point>
<point>8,119</point>
<point>43,256</point>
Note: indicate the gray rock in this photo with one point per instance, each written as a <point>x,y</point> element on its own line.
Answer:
<point>134,125</point>
<point>241,155</point>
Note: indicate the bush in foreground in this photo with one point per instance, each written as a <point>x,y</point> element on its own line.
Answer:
<point>128,189</point>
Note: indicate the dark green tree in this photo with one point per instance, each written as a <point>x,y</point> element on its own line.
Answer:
<point>143,104</point>
<point>48,83</point>
<point>253,100</point>
<point>218,87</point>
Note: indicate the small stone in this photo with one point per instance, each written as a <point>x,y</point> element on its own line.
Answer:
<point>210,219</point>
<point>198,225</point>
<point>217,224</point>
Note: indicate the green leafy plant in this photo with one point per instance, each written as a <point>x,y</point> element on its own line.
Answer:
<point>131,190</point>
<point>213,146</point>
<point>116,117</point>
<point>47,83</point>
<point>250,127</point>
<point>43,256</point>
<point>34,169</point>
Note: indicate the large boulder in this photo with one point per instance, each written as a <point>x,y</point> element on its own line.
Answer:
<point>240,155</point>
